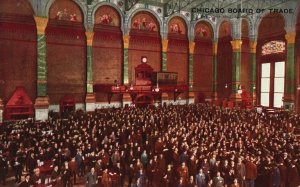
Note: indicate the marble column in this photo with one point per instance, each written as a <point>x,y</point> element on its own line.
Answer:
<point>236,70</point>
<point>215,71</point>
<point>252,71</point>
<point>42,101</point>
<point>126,97</point>
<point>1,110</point>
<point>164,54</point>
<point>289,91</point>
<point>191,99</point>
<point>90,100</point>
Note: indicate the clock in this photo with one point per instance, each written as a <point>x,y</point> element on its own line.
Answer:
<point>144,59</point>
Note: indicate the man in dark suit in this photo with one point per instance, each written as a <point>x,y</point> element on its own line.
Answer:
<point>218,181</point>
<point>66,175</point>
<point>200,179</point>
<point>240,172</point>
<point>31,163</point>
<point>17,166</point>
<point>26,182</point>
<point>3,169</point>
<point>80,164</point>
<point>91,178</point>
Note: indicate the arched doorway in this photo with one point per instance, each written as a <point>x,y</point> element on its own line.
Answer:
<point>203,61</point>
<point>178,50</point>
<point>224,61</point>
<point>18,64</point>
<point>107,49</point>
<point>145,41</point>
<point>66,52</point>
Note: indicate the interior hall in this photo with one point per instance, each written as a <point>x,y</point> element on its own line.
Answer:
<point>150,93</point>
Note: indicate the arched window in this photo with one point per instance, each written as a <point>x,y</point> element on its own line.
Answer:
<point>272,76</point>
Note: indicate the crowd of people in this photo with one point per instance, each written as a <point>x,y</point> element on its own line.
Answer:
<point>166,146</point>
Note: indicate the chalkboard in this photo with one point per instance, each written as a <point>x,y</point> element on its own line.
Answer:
<point>165,78</point>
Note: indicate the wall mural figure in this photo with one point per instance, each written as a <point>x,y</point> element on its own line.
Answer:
<point>143,24</point>
<point>201,32</point>
<point>66,16</point>
<point>106,19</point>
<point>175,28</point>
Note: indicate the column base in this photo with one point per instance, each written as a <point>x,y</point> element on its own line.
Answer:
<point>41,108</point>
<point>289,102</point>
<point>1,110</point>
<point>90,102</point>
<point>126,100</point>
<point>214,96</point>
<point>236,98</point>
<point>165,98</point>
<point>191,99</point>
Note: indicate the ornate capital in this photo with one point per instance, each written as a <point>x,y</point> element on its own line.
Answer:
<point>164,45</point>
<point>290,37</point>
<point>42,102</point>
<point>126,41</point>
<point>41,24</point>
<point>41,81</point>
<point>89,38</point>
<point>1,105</point>
<point>236,45</point>
<point>215,48</point>
<point>191,47</point>
<point>253,45</point>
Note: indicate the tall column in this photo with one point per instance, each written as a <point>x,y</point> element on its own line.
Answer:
<point>191,99</point>
<point>289,91</point>
<point>215,71</point>
<point>126,97</point>
<point>125,59</point>
<point>164,54</point>
<point>1,110</point>
<point>90,100</point>
<point>164,41</point>
<point>252,69</point>
<point>236,69</point>
<point>42,101</point>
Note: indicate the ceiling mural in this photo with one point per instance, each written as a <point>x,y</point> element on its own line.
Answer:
<point>177,25</point>
<point>65,10</point>
<point>107,15</point>
<point>203,30</point>
<point>144,21</point>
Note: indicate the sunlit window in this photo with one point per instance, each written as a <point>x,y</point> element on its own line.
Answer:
<point>265,84</point>
<point>272,84</point>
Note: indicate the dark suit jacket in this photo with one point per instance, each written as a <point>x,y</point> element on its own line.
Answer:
<point>218,182</point>
<point>91,179</point>
<point>24,184</point>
